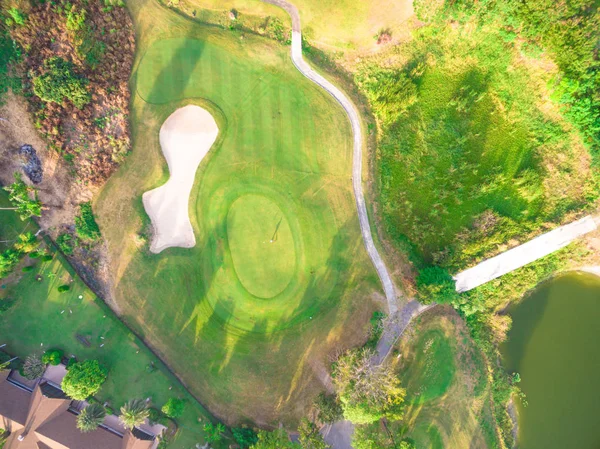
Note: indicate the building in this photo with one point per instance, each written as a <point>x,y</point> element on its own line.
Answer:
<point>39,415</point>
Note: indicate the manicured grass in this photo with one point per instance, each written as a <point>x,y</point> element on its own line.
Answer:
<point>244,321</point>
<point>332,24</point>
<point>42,318</point>
<point>447,397</point>
<point>469,145</point>
<point>433,370</point>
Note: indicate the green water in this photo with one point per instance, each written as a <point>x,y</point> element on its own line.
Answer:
<point>554,344</point>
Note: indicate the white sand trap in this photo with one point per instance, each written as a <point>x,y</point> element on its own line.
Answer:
<point>185,138</point>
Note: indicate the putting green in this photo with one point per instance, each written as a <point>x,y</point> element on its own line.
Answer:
<point>261,245</point>
<point>244,321</point>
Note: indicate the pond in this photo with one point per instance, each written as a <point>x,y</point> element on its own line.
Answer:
<point>554,344</point>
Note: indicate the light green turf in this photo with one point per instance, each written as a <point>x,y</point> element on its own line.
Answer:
<point>42,318</point>
<point>245,324</point>
<point>262,245</point>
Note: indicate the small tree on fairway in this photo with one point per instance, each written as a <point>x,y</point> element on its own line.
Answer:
<point>173,408</point>
<point>33,367</point>
<point>91,417</point>
<point>134,413</point>
<point>83,379</point>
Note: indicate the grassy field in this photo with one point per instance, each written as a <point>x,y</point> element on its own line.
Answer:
<point>42,318</point>
<point>248,323</point>
<point>336,25</point>
<point>472,153</point>
<point>447,402</point>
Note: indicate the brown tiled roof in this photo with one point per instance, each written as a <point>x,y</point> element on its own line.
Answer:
<point>63,430</point>
<point>14,402</point>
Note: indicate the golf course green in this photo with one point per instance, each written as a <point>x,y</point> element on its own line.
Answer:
<point>279,279</point>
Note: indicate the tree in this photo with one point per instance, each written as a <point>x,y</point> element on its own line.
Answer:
<point>173,408</point>
<point>26,243</point>
<point>33,367</point>
<point>91,417</point>
<point>85,223</point>
<point>329,409</point>
<point>213,433</point>
<point>134,413</point>
<point>59,82</point>
<point>20,196</point>
<point>274,440</point>
<point>244,436</point>
<point>310,438</point>
<point>368,392</point>
<point>83,379</point>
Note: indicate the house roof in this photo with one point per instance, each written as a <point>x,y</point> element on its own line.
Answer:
<point>43,420</point>
<point>14,402</point>
<point>63,430</point>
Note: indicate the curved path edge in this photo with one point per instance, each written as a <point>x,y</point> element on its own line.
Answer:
<point>339,434</point>
<point>352,113</point>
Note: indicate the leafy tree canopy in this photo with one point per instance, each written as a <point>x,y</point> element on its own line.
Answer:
<point>60,82</point>
<point>173,408</point>
<point>84,379</point>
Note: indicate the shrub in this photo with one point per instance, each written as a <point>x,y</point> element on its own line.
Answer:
<point>244,436</point>
<point>52,356</point>
<point>155,416</point>
<point>436,285</point>
<point>47,257</point>
<point>63,288</point>
<point>174,408</point>
<point>34,255</point>
<point>27,269</point>
<point>83,379</point>
<point>59,82</point>
<point>309,436</point>
<point>85,223</point>
<point>66,243</point>
<point>16,17</point>
<point>75,18</point>
<point>33,367</point>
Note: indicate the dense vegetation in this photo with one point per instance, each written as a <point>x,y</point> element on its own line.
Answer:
<point>59,81</point>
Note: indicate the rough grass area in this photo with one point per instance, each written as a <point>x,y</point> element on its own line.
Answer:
<point>44,318</point>
<point>336,25</point>
<point>448,394</point>
<point>472,153</point>
<point>248,323</point>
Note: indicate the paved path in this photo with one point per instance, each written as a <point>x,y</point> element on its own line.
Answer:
<point>351,111</point>
<point>523,254</point>
<point>339,434</point>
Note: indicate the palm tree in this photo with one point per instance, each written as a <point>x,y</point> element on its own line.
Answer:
<point>134,413</point>
<point>91,417</point>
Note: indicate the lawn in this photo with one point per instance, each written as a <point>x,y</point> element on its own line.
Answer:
<point>447,389</point>
<point>335,25</point>
<point>279,278</point>
<point>472,153</point>
<point>42,318</point>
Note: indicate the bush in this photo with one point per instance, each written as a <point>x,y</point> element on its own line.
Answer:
<point>47,257</point>
<point>34,255</point>
<point>52,356</point>
<point>19,194</point>
<point>436,285</point>
<point>174,408</point>
<point>75,18</point>
<point>85,223</point>
<point>60,82</point>
<point>83,379</point>
<point>213,433</point>
<point>63,288</point>
<point>66,243</point>
<point>244,437</point>
<point>27,269</point>
<point>155,416</point>
<point>16,17</point>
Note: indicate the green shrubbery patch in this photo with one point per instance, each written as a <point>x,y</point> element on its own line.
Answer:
<point>59,82</point>
<point>85,223</point>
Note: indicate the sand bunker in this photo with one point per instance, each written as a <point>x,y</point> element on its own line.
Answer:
<point>185,138</point>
